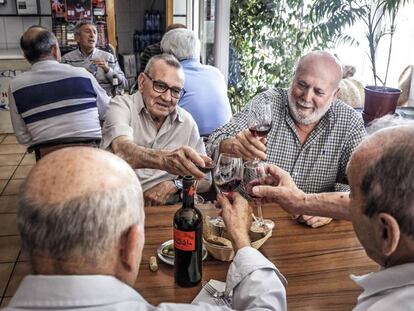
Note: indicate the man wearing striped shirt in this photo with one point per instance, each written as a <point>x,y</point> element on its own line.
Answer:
<point>53,100</point>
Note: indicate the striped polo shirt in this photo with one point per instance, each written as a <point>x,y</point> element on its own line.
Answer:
<point>55,100</point>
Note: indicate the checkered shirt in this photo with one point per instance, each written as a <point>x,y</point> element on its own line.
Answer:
<point>319,165</point>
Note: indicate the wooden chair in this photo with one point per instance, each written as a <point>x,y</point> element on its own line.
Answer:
<point>43,148</point>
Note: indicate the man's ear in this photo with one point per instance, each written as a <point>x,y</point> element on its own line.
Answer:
<point>141,79</point>
<point>128,249</point>
<point>389,233</point>
<point>55,52</point>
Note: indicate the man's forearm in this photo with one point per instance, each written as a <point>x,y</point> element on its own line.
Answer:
<point>330,204</point>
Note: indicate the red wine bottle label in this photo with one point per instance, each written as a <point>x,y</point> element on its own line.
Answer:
<point>184,240</point>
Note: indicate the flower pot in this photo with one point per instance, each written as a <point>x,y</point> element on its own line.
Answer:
<point>379,101</point>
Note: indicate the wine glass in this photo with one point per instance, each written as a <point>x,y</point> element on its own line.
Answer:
<point>254,175</point>
<point>228,173</point>
<point>259,119</point>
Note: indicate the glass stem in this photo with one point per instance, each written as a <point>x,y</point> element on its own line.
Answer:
<point>258,203</point>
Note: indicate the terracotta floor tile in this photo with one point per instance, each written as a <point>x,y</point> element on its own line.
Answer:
<point>20,271</point>
<point>9,149</point>
<point>13,187</point>
<point>5,302</point>
<point>22,171</point>
<point>9,248</point>
<point>8,204</point>
<point>29,159</point>
<point>10,139</point>
<point>10,159</point>
<point>3,183</point>
<point>6,171</point>
<point>8,224</point>
<point>5,272</point>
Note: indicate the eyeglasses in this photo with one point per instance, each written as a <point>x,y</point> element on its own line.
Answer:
<point>162,87</point>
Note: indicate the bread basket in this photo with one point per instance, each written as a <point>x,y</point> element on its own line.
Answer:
<point>218,234</point>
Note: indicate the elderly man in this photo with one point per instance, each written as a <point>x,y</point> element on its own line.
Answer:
<point>53,100</point>
<point>103,65</point>
<point>312,136</point>
<point>81,220</point>
<point>380,206</point>
<point>157,138</point>
<point>205,95</point>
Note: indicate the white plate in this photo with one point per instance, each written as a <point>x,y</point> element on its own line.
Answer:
<point>169,260</point>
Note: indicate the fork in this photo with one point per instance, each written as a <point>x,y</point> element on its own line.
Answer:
<point>220,296</point>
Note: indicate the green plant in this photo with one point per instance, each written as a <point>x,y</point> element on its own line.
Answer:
<point>269,37</point>
<point>377,15</point>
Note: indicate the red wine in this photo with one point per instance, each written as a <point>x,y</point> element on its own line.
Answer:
<point>229,186</point>
<point>208,167</point>
<point>260,131</point>
<point>188,246</point>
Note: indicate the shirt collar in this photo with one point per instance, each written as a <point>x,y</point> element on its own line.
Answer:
<point>44,64</point>
<point>176,115</point>
<point>72,291</point>
<point>86,55</point>
<point>389,278</point>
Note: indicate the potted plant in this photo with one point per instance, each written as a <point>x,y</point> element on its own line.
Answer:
<point>379,18</point>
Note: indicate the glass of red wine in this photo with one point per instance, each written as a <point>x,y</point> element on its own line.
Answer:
<point>228,173</point>
<point>259,120</point>
<point>254,175</point>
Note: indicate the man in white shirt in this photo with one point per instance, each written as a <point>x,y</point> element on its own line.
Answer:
<point>81,220</point>
<point>380,206</point>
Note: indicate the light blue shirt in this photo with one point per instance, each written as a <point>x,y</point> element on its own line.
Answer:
<point>206,96</point>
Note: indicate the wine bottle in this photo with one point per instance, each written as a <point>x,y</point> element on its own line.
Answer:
<point>188,228</point>
<point>117,87</point>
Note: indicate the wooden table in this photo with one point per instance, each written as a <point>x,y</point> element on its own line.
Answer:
<point>316,262</point>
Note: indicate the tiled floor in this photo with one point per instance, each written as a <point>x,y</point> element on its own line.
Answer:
<point>15,164</point>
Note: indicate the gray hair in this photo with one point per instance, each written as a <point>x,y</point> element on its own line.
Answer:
<point>88,225</point>
<point>79,25</point>
<point>37,46</point>
<point>182,43</point>
<point>388,184</point>
<point>167,58</point>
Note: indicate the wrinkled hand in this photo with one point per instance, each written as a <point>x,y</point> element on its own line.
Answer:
<point>236,213</point>
<point>245,145</point>
<point>283,191</point>
<point>160,193</point>
<point>100,62</point>
<point>183,161</point>
<point>313,221</point>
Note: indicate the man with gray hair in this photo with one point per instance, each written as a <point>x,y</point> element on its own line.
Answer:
<point>52,100</point>
<point>205,95</point>
<point>380,206</point>
<point>81,220</point>
<point>157,138</point>
<point>312,134</point>
<point>103,65</point>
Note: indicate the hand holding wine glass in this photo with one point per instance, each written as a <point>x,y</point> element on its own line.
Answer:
<point>254,175</point>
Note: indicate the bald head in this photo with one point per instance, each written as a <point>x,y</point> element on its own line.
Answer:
<point>77,203</point>
<point>38,43</point>
<point>321,61</point>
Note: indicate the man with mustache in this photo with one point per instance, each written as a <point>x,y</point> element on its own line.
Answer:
<point>158,139</point>
<point>313,134</point>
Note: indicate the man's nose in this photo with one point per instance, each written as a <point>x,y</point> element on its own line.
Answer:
<point>167,95</point>
<point>307,95</point>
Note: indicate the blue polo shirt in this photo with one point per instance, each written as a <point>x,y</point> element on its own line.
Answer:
<point>206,96</point>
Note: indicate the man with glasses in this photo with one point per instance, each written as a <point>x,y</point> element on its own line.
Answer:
<point>158,139</point>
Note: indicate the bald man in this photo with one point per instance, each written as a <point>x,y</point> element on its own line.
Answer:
<point>380,206</point>
<point>313,134</point>
<point>52,100</point>
<point>81,220</point>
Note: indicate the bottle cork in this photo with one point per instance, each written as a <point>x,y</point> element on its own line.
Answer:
<point>153,265</point>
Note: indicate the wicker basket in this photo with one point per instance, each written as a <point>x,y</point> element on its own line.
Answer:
<point>226,253</point>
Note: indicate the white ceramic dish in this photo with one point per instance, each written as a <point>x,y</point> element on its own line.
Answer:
<point>169,260</point>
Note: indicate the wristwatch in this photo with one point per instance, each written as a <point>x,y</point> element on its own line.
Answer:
<point>178,184</point>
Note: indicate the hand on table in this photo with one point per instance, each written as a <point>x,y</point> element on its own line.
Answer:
<point>100,62</point>
<point>183,161</point>
<point>313,221</point>
<point>160,193</point>
<point>236,213</point>
<point>245,145</point>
